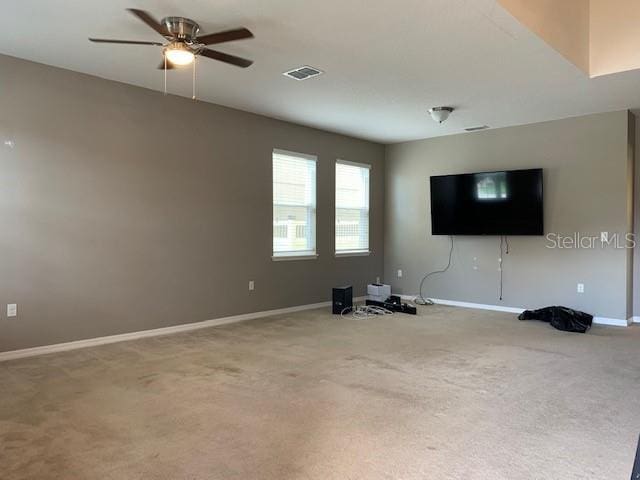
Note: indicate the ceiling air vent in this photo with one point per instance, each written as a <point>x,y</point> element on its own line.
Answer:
<point>475,129</point>
<point>303,73</point>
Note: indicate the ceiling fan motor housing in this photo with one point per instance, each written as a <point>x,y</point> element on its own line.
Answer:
<point>182,28</point>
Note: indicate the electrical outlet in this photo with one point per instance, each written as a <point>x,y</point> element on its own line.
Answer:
<point>252,285</point>
<point>12,309</point>
<point>399,273</point>
<point>580,288</point>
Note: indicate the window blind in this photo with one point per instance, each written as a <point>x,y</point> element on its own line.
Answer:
<point>294,204</point>
<point>352,207</point>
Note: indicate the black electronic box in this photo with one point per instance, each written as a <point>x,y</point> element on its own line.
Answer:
<point>342,299</point>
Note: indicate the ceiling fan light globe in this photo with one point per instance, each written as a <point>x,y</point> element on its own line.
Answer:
<point>179,55</point>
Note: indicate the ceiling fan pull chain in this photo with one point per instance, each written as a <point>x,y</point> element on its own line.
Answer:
<point>193,85</point>
<point>165,73</point>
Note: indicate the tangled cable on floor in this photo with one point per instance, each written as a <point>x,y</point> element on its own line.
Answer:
<point>364,311</point>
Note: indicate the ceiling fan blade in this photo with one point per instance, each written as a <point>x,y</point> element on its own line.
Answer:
<point>152,22</point>
<point>124,42</point>
<point>225,57</point>
<point>221,37</point>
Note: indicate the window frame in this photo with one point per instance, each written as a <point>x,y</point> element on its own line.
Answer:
<point>307,254</point>
<point>350,253</point>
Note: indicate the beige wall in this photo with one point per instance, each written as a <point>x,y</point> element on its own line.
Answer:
<point>124,210</point>
<point>599,36</point>
<point>615,36</point>
<point>562,24</point>
<point>585,190</point>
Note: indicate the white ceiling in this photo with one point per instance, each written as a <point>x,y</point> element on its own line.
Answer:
<point>386,61</point>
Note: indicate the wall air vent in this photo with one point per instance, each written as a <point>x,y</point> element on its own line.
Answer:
<point>475,129</point>
<point>303,73</point>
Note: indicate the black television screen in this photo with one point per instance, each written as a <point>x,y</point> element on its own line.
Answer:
<point>488,203</point>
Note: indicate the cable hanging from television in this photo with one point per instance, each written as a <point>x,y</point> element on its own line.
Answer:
<point>420,299</point>
<point>504,241</point>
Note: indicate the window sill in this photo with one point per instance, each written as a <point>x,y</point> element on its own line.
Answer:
<point>288,258</point>
<point>353,254</point>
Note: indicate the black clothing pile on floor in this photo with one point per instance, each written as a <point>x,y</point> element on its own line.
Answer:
<point>562,318</point>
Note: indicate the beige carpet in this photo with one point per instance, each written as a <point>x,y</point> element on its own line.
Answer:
<point>449,394</point>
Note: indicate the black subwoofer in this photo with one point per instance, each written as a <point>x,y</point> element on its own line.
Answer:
<point>342,299</point>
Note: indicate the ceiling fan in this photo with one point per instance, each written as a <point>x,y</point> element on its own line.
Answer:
<point>183,43</point>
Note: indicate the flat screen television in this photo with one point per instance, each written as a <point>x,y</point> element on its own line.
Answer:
<point>488,203</point>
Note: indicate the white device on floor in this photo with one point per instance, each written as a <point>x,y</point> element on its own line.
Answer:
<point>378,291</point>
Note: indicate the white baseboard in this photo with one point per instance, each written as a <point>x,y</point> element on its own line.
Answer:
<point>480,306</point>
<point>123,337</point>
<point>635,319</point>
<point>615,322</point>
<point>91,342</point>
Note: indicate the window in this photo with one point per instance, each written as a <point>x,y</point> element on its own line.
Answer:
<point>491,186</point>
<point>352,208</point>
<point>279,231</point>
<point>294,205</point>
